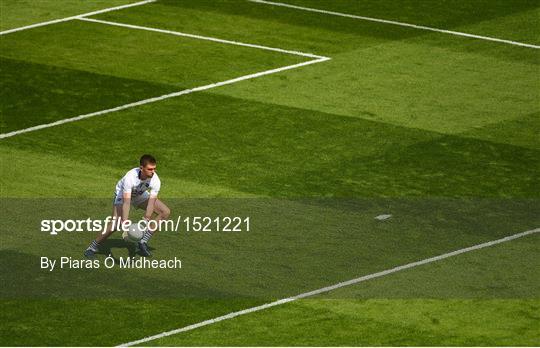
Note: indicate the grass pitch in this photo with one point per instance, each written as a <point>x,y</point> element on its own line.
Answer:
<point>441,131</point>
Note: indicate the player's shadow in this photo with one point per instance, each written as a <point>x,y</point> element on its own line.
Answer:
<point>107,247</point>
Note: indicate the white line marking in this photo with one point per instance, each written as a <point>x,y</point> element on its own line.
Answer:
<point>200,37</point>
<point>487,38</point>
<point>179,93</point>
<point>163,97</point>
<point>330,288</point>
<point>75,17</point>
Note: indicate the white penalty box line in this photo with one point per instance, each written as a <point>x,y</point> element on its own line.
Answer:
<point>332,287</point>
<point>402,24</point>
<point>314,59</point>
<point>207,38</point>
<point>159,98</point>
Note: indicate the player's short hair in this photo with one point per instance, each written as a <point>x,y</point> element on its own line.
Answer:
<point>147,159</point>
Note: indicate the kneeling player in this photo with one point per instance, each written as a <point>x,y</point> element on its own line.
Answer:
<point>139,187</point>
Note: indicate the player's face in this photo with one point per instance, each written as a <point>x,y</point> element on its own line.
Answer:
<point>148,170</point>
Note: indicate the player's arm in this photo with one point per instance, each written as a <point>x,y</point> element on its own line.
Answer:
<point>127,188</point>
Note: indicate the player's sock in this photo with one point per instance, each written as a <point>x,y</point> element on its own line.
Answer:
<point>94,246</point>
<point>92,249</point>
<point>146,236</point>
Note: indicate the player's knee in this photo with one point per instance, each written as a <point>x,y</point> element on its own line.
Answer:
<point>165,212</point>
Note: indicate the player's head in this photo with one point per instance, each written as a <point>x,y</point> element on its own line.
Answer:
<point>148,165</point>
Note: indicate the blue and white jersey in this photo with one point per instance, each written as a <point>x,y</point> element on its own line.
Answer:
<point>131,182</point>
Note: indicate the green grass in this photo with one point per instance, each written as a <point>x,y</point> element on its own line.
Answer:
<point>438,130</point>
<point>376,323</point>
<point>287,153</point>
<point>18,13</point>
<point>120,319</point>
<point>44,93</point>
<point>116,51</point>
<point>439,304</point>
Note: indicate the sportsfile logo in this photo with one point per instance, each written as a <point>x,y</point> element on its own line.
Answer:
<point>181,224</point>
<point>54,226</point>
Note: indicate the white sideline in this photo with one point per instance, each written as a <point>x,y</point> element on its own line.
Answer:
<point>75,17</point>
<point>200,37</point>
<point>422,27</point>
<point>163,97</point>
<point>332,287</point>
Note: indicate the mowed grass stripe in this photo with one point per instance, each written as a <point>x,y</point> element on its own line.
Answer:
<point>522,131</point>
<point>15,15</point>
<point>407,84</point>
<point>84,178</point>
<point>231,265</point>
<point>402,24</point>
<point>306,31</point>
<point>204,38</point>
<point>242,21</point>
<point>407,308</point>
<point>376,322</point>
<point>283,151</point>
<point>46,325</point>
<point>118,51</point>
<point>34,94</point>
<point>452,15</point>
<point>502,272</point>
<point>161,97</point>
